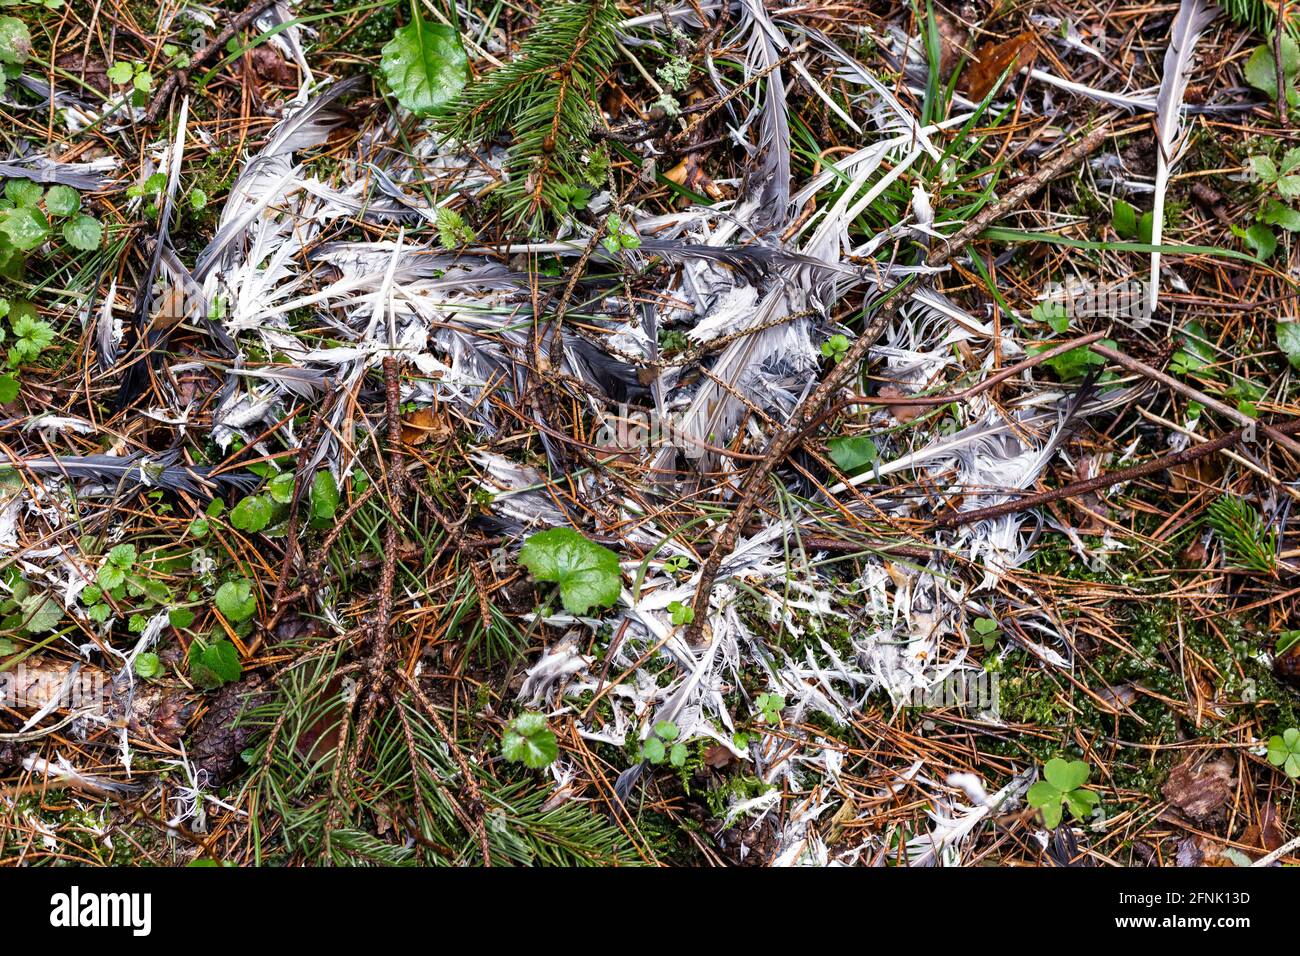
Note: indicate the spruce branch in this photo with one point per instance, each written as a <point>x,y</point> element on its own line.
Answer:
<point>544,98</point>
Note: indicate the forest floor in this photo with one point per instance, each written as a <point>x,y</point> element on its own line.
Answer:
<point>615,433</point>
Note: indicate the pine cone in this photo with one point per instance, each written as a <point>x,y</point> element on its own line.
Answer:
<point>217,743</point>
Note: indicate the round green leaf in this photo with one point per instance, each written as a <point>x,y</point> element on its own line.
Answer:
<point>15,41</point>
<point>83,232</point>
<point>1288,340</point>
<point>40,613</point>
<point>62,201</point>
<point>1043,794</point>
<point>527,740</point>
<point>148,665</point>
<point>251,514</point>
<point>23,192</point>
<point>425,65</point>
<point>25,227</point>
<point>235,599</point>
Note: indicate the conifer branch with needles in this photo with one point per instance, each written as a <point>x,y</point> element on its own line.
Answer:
<point>544,98</point>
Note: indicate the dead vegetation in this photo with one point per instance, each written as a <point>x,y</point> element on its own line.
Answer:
<point>917,387</point>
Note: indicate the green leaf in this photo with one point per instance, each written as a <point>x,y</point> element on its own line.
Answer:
<point>1053,313</point>
<point>1066,775</point>
<point>588,574</point>
<point>23,193</point>
<point>111,576</point>
<point>1259,239</point>
<point>1288,340</point>
<point>148,665</point>
<point>40,613</point>
<point>1261,68</point>
<point>1074,363</point>
<point>1284,752</point>
<point>852,454</point>
<point>1145,223</point>
<point>180,617</point>
<point>236,600</point>
<point>123,555</point>
<point>529,741</point>
<point>680,613</point>
<point>985,625</point>
<point>425,65</point>
<point>15,41</point>
<point>214,663</point>
<point>83,232</point>
<point>666,730</point>
<point>453,231</point>
<point>1082,803</point>
<point>198,199</point>
<point>121,72</point>
<point>251,514</point>
<point>324,495</point>
<point>1052,815</point>
<point>1278,214</point>
<point>8,388</point>
<point>25,227</point>
<point>1264,168</point>
<point>1124,219</point>
<point>280,487</point>
<point>1043,794</point>
<point>62,201</point>
<point>677,756</point>
<point>653,750</point>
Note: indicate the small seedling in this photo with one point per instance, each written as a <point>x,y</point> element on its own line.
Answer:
<point>136,74</point>
<point>213,662</point>
<point>453,231</point>
<point>678,562</point>
<point>663,744</point>
<point>770,705</point>
<point>148,666</point>
<point>680,613</point>
<point>1249,543</point>
<point>835,347</point>
<point>618,238</point>
<point>529,741</point>
<point>1062,783</point>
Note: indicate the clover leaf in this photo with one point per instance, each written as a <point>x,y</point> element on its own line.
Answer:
<point>588,573</point>
<point>1062,783</point>
<point>1284,752</point>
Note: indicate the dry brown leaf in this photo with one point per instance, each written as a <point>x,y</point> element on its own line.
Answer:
<point>718,757</point>
<point>423,424</point>
<point>901,413</point>
<point>1199,792</point>
<point>991,60</point>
